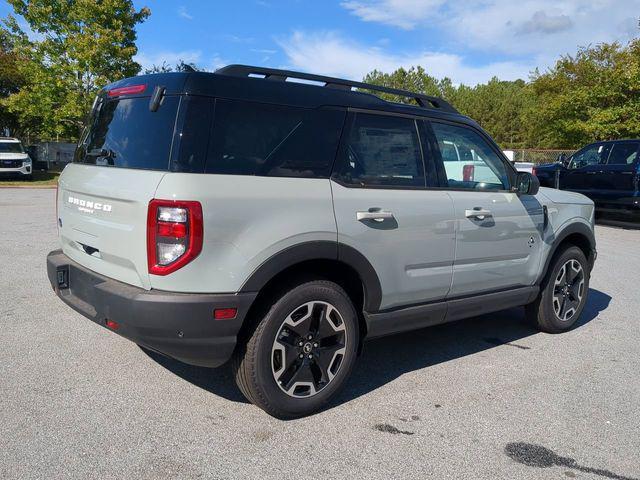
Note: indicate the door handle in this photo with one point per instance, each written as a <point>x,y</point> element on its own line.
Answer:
<point>592,173</point>
<point>478,213</point>
<point>373,214</point>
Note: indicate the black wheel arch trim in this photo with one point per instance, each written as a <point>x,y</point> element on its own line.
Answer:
<point>574,228</point>
<point>319,250</point>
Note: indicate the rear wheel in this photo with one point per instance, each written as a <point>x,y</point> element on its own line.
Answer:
<point>563,292</point>
<point>301,352</point>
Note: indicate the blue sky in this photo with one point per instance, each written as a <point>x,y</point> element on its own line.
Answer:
<point>468,41</point>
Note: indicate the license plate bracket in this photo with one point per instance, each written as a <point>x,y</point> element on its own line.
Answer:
<point>62,277</point>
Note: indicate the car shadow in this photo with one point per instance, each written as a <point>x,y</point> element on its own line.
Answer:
<point>410,351</point>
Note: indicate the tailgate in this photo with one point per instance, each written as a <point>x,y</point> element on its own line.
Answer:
<point>103,219</point>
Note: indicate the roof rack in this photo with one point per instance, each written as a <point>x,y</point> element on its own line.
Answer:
<point>274,74</point>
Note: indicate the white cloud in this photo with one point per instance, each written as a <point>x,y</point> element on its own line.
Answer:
<point>523,27</point>
<point>405,14</point>
<point>182,11</point>
<point>147,60</point>
<point>215,63</point>
<point>329,53</point>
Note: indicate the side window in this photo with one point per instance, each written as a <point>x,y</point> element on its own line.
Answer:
<point>191,137</point>
<point>381,151</point>
<point>623,153</point>
<point>468,160</point>
<point>590,156</point>
<point>273,140</point>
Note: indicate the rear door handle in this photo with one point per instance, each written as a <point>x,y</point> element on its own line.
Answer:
<point>478,213</point>
<point>374,214</point>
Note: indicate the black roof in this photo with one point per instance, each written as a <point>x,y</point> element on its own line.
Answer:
<point>285,87</point>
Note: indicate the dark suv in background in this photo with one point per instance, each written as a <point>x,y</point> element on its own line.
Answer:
<point>607,172</point>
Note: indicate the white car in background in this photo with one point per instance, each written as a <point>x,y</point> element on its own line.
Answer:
<point>14,161</point>
<point>520,166</point>
<point>463,164</point>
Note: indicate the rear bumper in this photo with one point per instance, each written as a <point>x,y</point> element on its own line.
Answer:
<point>178,325</point>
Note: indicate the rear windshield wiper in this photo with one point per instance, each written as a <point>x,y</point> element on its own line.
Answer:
<point>101,152</point>
<point>107,154</point>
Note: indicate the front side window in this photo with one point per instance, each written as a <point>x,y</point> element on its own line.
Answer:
<point>591,155</point>
<point>381,151</point>
<point>468,160</point>
<point>623,154</point>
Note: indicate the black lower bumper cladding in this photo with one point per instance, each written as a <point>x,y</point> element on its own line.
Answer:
<point>179,325</point>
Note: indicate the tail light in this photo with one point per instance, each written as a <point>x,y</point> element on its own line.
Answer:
<point>174,235</point>
<point>533,171</point>
<point>128,90</point>
<point>467,173</point>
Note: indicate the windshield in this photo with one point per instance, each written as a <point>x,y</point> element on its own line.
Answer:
<point>11,147</point>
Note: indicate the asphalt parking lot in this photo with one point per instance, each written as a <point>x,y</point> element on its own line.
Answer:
<point>483,398</point>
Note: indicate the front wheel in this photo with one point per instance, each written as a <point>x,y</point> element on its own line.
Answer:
<point>563,293</point>
<point>301,352</point>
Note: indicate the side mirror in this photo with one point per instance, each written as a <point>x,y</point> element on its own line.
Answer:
<point>527,184</point>
<point>561,158</point>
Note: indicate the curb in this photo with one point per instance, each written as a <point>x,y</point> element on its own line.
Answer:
<point>37,187</point>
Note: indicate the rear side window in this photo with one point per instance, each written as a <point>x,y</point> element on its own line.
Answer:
<point>191,137</point>
<point>623,153</point>
<point>381,151</point>
<point>273,140</point>
<point>124,133</point>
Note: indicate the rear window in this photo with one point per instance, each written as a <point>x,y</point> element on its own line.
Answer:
<point>124,133</point>
<point>11,147</point>
<point>273,140</point>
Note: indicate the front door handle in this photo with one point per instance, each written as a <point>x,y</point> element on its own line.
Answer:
<point>479,213</point>
<point>374,214</point>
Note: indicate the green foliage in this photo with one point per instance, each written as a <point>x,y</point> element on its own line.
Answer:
<point>73,48</point>
<point>592,96</point>
<point>181,66</point>
<point>497,105</point>
<point>10,81</point>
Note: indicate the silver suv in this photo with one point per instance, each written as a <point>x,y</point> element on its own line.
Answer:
<point>278,224</point>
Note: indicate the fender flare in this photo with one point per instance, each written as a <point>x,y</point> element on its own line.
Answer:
<point>573,228</point>
<point>319,250</point>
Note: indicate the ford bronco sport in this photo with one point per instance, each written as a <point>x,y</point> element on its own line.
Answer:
<point>241,215</point>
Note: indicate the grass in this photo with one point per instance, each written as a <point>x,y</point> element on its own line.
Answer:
<point>40,179</point>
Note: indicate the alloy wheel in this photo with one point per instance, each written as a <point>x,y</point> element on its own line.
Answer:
<point>309,349</point>
<point>568,290</point>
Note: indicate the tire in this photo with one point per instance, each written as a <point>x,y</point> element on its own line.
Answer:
<point>268,368</point>
<point>559,306</point>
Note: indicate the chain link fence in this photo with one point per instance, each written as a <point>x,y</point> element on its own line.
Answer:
<point>538,156</point>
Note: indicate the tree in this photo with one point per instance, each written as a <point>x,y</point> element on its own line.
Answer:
<point>594,95</point>
<point>181,66</point>
<point>498,106</point>
<point>10,82</point>
<point>74,48</point>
